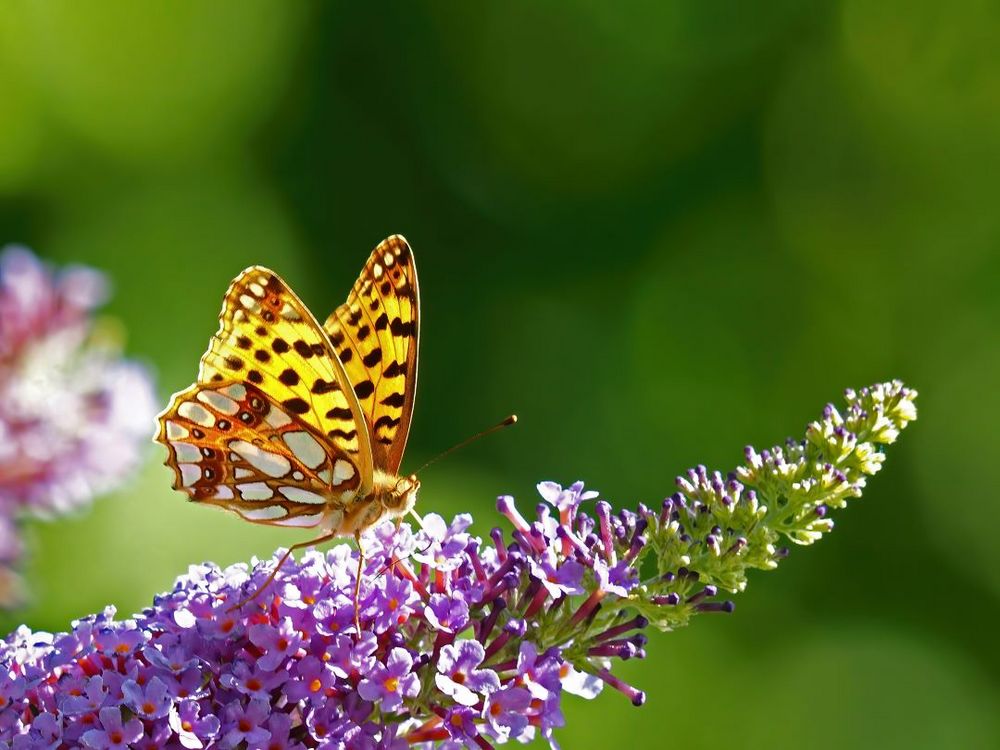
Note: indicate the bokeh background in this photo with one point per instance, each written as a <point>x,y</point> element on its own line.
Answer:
<point>657,231</point>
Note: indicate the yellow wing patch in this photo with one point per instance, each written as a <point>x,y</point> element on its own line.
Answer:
<point>270,340</point>
<point>376,334</point>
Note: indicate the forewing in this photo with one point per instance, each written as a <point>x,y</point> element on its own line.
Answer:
<point>376,335</point>
<point>233,446</point>
<point>268,340</point>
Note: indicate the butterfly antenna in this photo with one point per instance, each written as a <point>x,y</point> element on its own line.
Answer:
<point>512,419</point>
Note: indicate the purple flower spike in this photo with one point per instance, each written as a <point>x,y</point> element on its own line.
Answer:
<point>463,644</point>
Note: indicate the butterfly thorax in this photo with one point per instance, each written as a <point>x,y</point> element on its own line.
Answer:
<point>391,497</point>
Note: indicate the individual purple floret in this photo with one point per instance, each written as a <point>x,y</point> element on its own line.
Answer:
<point>74,415</point>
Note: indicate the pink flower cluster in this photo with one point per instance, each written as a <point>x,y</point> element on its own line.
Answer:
<point>73,413</point>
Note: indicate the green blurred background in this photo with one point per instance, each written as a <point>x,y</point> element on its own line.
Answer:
<point>656,231</point>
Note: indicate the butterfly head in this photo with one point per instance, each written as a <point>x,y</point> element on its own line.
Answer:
<point>402,496</point>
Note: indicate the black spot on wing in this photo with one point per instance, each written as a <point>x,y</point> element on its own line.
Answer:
<point>399,328</point>
<point>384,421</point>
<point>345,434</point>
<point>394,399</point>
<point>296,405</point>
<point>324,386</point>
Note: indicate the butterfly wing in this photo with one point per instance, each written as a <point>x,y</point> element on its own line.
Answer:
<point>272,381</point>
<point>233,446</point>
<point>376,334</point>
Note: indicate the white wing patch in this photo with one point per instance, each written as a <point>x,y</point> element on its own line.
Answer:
<point>342,471</point>
<point>311,520</point>
<point>299,495</point>
<point>255,491</point>
<point>268,513</point>
<point>190,473</point>
<point>222,404</point>
<point>196,413</point>
<point>186,452</point>
<point>272,464</point>
<point>306,449</point>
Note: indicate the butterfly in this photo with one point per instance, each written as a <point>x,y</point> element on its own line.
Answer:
<point>291,423</point>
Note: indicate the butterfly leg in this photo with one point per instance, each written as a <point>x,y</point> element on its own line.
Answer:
<point>357,583</point>
<point>417,518</point>
<point>284,558</point>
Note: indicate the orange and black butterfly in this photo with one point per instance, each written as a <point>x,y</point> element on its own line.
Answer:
<point>291,423</point>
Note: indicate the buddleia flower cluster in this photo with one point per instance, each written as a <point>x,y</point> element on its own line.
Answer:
<point>73,413</point>
<point>465,642</point>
